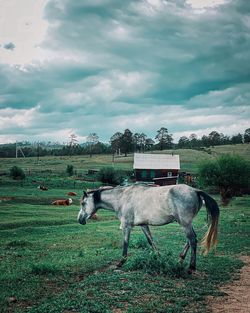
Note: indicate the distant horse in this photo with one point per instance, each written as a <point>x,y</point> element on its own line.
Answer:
<point>62,202</point>
<point>138,205</point>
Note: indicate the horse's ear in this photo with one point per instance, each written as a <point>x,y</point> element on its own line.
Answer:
<point>85,193</point>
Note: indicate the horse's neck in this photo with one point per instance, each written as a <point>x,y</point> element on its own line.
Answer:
<point>110,200</point>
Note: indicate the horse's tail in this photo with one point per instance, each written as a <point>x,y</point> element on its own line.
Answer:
<point>213,212</point>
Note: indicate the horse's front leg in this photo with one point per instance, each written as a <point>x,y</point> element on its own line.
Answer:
<point>126,236</point>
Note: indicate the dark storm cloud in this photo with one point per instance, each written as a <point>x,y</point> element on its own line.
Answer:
<point>9,46</point>
<point>136,64</point>
<point>25,87</point>
<point>191,54</point>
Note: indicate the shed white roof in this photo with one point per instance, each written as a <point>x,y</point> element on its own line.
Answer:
<point>156,161</point>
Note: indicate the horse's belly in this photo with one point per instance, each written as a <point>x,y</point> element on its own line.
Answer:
<point>154,220</point>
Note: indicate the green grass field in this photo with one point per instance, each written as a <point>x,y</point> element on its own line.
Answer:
<point>50,263</point>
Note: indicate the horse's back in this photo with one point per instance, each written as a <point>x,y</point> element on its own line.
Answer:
<point>148,205</point>
<point>174,202</point>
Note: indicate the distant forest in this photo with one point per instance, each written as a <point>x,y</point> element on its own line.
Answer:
<point>120,143</point>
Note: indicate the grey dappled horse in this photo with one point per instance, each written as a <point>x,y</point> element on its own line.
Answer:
<point>139,205</point>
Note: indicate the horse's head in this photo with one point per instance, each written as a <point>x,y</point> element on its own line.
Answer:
<point>87,207</point>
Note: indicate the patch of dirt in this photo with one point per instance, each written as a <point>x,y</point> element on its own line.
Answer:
<point>237,293</point>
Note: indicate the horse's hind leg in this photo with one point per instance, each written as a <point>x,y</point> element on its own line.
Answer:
<point>191,236</point>
<point>148,235</point>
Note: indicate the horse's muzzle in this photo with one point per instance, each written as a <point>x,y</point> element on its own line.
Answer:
<point>82,221</point>
<point>82,218</point>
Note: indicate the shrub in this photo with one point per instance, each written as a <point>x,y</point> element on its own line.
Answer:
<point>70,170</point>
<point>109,175</point>
<point>229,173</point>
<point>17,173</point>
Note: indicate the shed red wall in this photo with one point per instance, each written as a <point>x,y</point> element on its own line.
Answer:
<point>158,174</point>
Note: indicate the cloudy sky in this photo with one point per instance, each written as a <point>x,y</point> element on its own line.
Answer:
<point>106,65</point>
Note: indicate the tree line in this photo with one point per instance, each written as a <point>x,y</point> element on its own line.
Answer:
<point>121,143</point>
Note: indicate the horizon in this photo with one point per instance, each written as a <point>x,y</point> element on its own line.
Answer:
<point>104,142</point>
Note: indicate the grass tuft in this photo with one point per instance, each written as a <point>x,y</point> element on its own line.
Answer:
<point>154,264</point>
<point>139,243</point>
<point>45,269</point>
<point>18,243</point>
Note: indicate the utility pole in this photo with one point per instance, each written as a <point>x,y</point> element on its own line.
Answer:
<point>19,149</point>
<point>38,152</point>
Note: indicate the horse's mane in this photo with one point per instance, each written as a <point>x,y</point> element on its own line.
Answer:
<point>96,193</point>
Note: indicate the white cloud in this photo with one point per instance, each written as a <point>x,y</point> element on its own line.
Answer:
<point>13,118</point>
<point>201,4</point>
<point>22,23</point>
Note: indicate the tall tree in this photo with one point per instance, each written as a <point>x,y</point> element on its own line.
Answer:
<point>183,142</point>
<point>136,141</point>
<point>142,142</point>
<point>164,138</point>
<point>72,143</point>
<point>116,142</point>
<point>236,139</point>
<point>193,139</point>
<point>224,139</point>
<point>214,138</point>
<point>92,140</point>
<point>127,141</point>
<point>149,143</point>
<point>247,135</point>
<point>205,141</point>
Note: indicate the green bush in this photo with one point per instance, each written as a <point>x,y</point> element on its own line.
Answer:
<point>70,170</point>
<point>229,173</point>
<point>17,173</point>
<point>108,175</point>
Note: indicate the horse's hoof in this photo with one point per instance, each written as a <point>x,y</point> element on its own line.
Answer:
<point>120,264</point>
<point>191,270</point>
<point>181,260</point>
<point>113,267</point>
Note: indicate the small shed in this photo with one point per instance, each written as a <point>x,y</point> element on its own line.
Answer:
<point>162,169</point>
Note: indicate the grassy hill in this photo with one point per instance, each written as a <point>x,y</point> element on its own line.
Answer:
<point>57,165</point>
